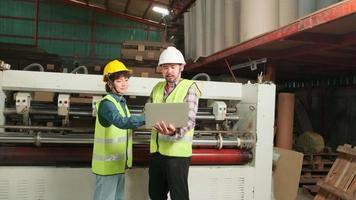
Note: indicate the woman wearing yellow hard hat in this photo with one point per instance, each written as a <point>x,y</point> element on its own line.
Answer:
<point>112,152</point>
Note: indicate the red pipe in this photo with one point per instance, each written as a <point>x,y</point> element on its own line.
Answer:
<point>202,156</point>
<point>82,156</point>
<point>220,157</point>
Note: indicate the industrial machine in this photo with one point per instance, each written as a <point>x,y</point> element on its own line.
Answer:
<point>47,125</point>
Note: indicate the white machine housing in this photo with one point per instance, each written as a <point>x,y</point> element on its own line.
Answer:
<point>253,181</point>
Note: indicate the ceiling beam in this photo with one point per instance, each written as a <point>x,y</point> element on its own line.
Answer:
<point>321,38</point>
<point>178,12</point>
<point>324,60</point>
<point>116,14</point>
<point>339,42</point>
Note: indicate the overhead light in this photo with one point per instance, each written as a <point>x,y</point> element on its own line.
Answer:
<point>160,10</point>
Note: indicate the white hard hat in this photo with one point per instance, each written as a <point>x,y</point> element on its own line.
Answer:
<point>171,55</point>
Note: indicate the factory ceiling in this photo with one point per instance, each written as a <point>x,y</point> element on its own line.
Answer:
<point>138,10</point>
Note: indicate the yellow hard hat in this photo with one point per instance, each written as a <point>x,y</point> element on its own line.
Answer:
<point>113,67</point>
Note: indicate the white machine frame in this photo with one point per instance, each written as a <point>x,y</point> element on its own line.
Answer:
<point>247,182</point>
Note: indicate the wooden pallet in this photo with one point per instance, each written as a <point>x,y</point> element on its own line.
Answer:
<point>340,182</point>
<point>316,167</point>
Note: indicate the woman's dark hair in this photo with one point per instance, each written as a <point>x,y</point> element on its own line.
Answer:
<point>115,76</point>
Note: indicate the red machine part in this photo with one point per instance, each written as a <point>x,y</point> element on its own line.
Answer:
<point>82,156</point>
<point>220,157</point>
<point>203,156</point>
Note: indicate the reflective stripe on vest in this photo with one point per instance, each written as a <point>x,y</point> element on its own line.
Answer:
<point>109,158</point>
<point>112,152</point>
<point>116,157</point>
<point>167,145</point>
<point>115,140</point>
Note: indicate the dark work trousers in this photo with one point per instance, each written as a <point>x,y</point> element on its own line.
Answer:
<point>168,174</point>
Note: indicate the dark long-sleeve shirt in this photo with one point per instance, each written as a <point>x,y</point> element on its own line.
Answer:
<point>108,115</point>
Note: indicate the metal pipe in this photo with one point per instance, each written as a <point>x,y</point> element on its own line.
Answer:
<point>205,75</point>
<point>52,109</point>
<point>8,111</point>
<point>88,130</point>
<point>30,66</point>
<point>82,67</point>
<point>51,138</point>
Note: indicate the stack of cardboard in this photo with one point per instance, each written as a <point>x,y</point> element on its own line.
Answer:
<point>143,50</point>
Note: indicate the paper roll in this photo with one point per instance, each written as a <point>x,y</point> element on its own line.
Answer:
<point>285,119</point>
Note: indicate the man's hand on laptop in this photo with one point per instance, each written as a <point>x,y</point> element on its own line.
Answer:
<point>165,128</point>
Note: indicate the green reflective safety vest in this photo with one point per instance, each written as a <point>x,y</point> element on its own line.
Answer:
<point>167,145</point>
<point>112,152</point>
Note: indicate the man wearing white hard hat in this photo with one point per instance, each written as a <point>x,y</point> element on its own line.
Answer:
<point>171,147</point>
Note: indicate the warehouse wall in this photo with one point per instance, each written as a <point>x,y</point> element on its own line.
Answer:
<point>72,32</point>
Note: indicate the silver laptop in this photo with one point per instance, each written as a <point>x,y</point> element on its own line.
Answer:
<point>174,113</point>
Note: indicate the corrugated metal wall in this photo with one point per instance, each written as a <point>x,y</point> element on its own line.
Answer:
<point>211,26</point>
<point>69,31</point>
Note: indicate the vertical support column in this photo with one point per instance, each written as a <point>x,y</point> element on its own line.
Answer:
<point>148,33</point>
<point>93,35</point>
<point>37,21</point>
<point>270,73</point>
<point>288,11</point>
<point>264,146</point>
<point>258,17</point>
<point>285,119</point>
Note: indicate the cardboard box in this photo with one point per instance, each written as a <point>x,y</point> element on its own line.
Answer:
<point>43,96</point>
<point>145,72</point>
<point>50,67</point>
<point>286,174</point>
<point>143,50</point>
<point>81,100</point>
